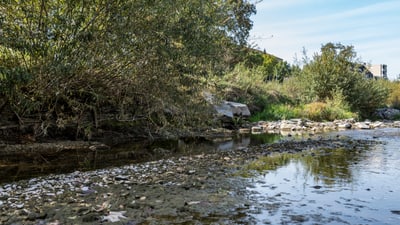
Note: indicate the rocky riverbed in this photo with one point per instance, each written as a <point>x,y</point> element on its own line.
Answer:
<point>191,189</point>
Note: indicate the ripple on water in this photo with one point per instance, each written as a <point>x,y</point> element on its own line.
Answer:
<point>344,186</point>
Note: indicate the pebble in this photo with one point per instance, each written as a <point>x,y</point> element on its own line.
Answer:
<point>65,190</point>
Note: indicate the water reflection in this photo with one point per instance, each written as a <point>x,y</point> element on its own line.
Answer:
<point>342,186</point>
<point>23,166</point>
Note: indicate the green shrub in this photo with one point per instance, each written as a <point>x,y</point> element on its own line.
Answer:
<point>278,112</point>
<point>393,99</point>
<point>334,70</point>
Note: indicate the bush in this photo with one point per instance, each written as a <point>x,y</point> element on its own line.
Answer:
<point>277,112</point>
<point>336,70</point>
<point>63,60</point>
<point>393,99</point>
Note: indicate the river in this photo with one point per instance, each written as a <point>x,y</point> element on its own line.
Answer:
<point>335,186</point>
<point>346,177</point>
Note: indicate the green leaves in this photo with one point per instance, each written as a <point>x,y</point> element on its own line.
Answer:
<point>137,56</point>
<point>334,71</point>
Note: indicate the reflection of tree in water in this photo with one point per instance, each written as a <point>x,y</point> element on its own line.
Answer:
<point>271,162</point>
<point>331,165</point>
<point>259,139</point>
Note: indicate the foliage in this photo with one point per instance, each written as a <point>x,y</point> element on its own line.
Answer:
<point>335,71</point>
<point>329,87</point>
<point>273,68</point>
<point>247,85</point>
<point>330,110</point>
<point>393,99</point>
<point>281,70</point>
<point>277,112</point>
<point>64,60</point>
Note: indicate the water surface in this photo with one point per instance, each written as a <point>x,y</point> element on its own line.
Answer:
<point>343,186</point>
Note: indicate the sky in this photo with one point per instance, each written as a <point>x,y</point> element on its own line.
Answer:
<point>285,27</point>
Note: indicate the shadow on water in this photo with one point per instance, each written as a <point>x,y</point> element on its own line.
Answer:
<point>27,165</point>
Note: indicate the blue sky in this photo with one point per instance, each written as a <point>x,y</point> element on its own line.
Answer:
<point>284,27</point>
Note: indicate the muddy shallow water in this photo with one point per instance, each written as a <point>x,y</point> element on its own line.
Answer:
<point>350,177</point>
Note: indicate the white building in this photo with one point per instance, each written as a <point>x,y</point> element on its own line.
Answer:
<point>379,71</point>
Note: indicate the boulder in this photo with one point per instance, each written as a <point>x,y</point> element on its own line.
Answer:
<point>387,113</point>
<point>227,108</point>
<point>224,110</point>
<point>238,109</point>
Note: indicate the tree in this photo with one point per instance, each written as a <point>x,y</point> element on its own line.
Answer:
<point>135,57</point>
<point>334,70</point>
<point>268,66</point>
<point>281,71</point>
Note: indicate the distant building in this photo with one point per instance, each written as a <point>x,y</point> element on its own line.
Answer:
<point>362,68</point>
<point>379,71</point>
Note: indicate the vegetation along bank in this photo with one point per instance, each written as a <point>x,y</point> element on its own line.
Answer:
<point>91,70</point>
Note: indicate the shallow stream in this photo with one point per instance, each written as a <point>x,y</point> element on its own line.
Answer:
<point>342,186</point>
<point>240,181</point>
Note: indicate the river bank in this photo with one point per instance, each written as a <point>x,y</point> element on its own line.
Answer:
<point>200,188</point>
<point>23,161</point>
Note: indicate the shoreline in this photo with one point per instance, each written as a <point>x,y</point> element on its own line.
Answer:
<point>176,187</point>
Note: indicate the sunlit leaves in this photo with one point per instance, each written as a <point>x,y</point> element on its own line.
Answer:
<point>334,70</point>
<point>136,56</point>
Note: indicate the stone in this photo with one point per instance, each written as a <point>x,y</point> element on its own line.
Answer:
<point>376,124</point>
<point>286,125</point>
<point>114,216</point>
<point>239,109</point>
<point>227,108</point>
<point>244,130</point>
<point>387,113</point>
<point>91,217</point>
<point>364,125</point>
<point>344,125</point>
<point>256,130</point>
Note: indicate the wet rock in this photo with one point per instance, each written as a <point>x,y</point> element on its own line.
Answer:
<point>317,187</point>
<point>36,216</point>
<point>298,218</point>
<point>91,217</point>
<point>397,212</point>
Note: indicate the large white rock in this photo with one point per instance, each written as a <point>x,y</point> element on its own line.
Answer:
<point>227,108</point>
<point>238,109</point>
